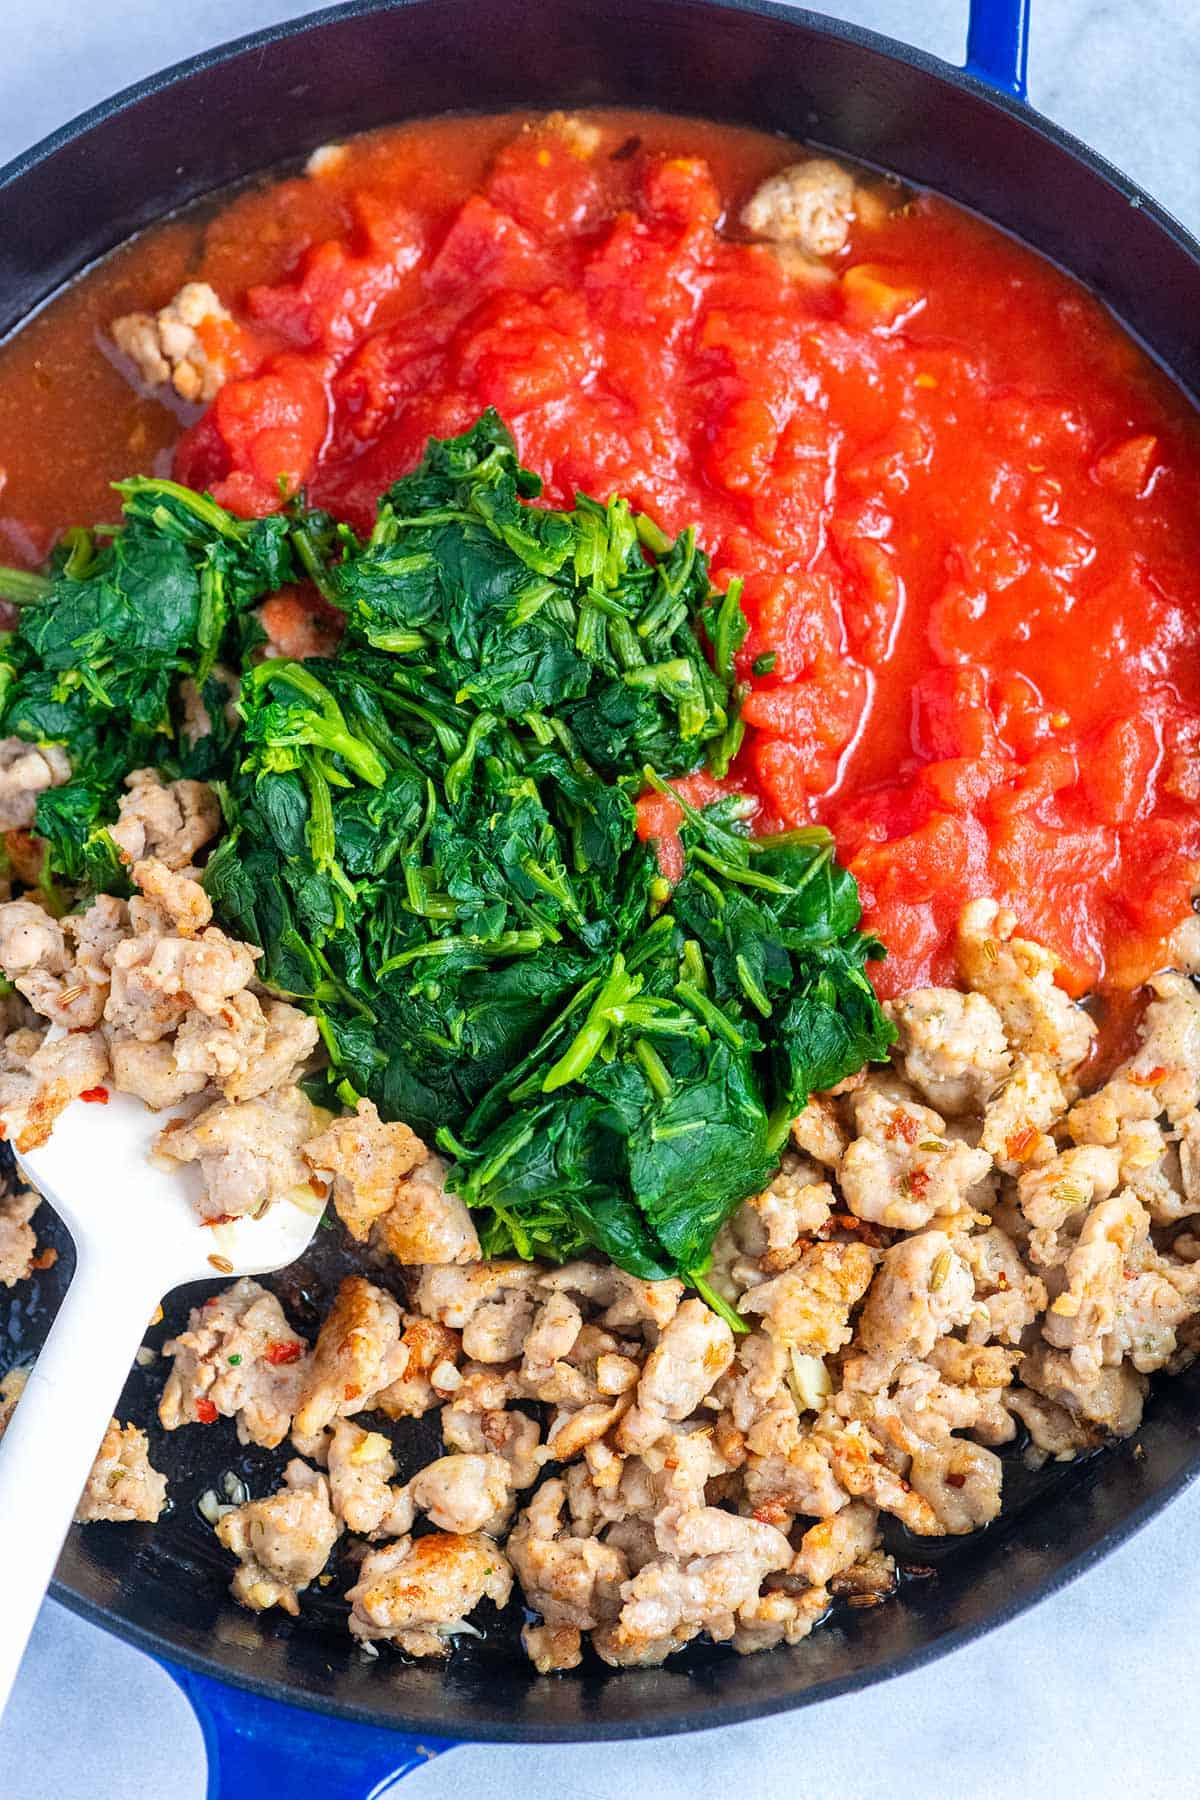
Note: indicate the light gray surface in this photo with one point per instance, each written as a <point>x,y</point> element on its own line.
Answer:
<point>1096,1682</point>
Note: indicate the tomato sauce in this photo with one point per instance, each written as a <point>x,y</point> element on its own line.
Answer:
<point>965,505</point>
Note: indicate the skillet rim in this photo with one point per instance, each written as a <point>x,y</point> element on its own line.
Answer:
<point>714,1716</point>
<point>954,74</point>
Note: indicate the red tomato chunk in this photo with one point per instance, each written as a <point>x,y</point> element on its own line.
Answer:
<point>966,508</point>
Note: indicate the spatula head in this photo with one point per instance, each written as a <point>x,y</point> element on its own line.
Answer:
<point>98,1171</point>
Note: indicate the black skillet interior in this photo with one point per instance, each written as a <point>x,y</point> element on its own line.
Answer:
<point>264,104</point>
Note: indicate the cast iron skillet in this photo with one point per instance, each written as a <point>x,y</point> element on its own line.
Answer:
<point>266,101</point>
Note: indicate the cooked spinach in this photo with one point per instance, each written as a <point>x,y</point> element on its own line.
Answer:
<point>432,834</point>
<point>101,648</point>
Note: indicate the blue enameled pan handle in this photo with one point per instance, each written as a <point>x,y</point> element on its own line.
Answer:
<point>998,44</point>
<point>259,1749</point>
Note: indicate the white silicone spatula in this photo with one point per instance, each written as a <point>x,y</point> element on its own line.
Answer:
<point>137,1235</point>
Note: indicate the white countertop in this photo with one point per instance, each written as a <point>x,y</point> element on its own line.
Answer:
<point>1098,1682</point>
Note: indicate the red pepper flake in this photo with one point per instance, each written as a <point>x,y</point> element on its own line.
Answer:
<point>1021,1143</point>
<point>902,1125</point>
<point>97,1096</point>
<point>1149,1079</point>
<point>284,1350</point>
<point>1001,1280</point>
<point>220,1219</point>
<point>349,1392</point>
<point>3,1129</point>
<point>918,1571</point>
<point>914,1185</point>
<point>956,1481</point>
<point>844,1221</point>
<point>45,1259</point>
<point>206,1412</point>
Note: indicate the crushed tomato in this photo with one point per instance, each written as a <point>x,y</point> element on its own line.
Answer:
<point>965,505</point>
